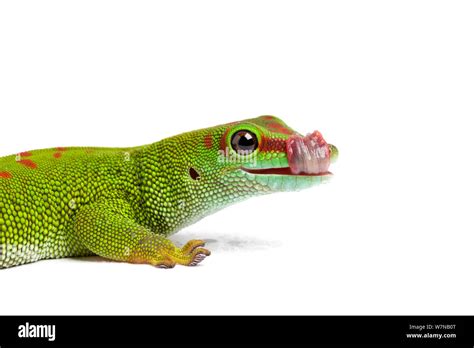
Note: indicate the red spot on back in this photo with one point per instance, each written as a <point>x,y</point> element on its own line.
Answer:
<point>61,148</point>
<point>28,163</point>
<point>6,175</point>
<point>25,154</point>
<point>208,141</point>
<point>57,154</point>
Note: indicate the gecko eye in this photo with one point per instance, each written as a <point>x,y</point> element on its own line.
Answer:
<point>244,142</point>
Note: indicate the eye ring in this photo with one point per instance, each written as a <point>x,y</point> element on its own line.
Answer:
<point>244,142</point>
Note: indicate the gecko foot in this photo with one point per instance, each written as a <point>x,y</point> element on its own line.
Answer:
<point>191,254</point>
<point>191,245</point>
<point>195,252</point>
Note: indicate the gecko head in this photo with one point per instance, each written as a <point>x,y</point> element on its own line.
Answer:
<point>268,154</point>
<point>202,171</point>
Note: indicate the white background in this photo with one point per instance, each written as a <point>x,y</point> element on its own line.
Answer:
<point>391,83</point>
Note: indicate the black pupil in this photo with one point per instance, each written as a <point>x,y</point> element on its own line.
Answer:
<point>244,141</point>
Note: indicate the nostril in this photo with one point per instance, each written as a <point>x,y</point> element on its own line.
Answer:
<point>194,174</point>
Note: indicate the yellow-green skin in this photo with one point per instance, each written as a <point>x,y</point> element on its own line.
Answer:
<point>122,203</point>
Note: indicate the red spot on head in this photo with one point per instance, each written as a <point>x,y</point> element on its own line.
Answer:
<point>25,154</point>
<point>28,163</point>
<point>208,141</point>
<point>61,148</point>
<point>224,138</point>
<point>273,144</point>
<point>6,175</point>
<point>57,154</point>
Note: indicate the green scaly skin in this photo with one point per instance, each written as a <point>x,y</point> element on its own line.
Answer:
<point>123,203</point>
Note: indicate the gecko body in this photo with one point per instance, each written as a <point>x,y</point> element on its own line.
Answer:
<point>124,203</point>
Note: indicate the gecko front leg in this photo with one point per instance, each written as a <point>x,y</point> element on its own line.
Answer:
<point>108,229</point>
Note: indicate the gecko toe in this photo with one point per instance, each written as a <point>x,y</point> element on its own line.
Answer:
<point>192,245</point>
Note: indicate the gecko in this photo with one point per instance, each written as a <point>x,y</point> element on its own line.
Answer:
<point>122,204</point>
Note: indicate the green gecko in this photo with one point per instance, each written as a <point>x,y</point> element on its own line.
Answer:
<point>123,203</point>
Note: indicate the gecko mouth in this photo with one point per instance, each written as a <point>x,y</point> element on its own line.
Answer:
<point>281,171</point>
<point>307,156</point>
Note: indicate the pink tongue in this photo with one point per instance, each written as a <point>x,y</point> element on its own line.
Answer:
<point>308,155</point>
